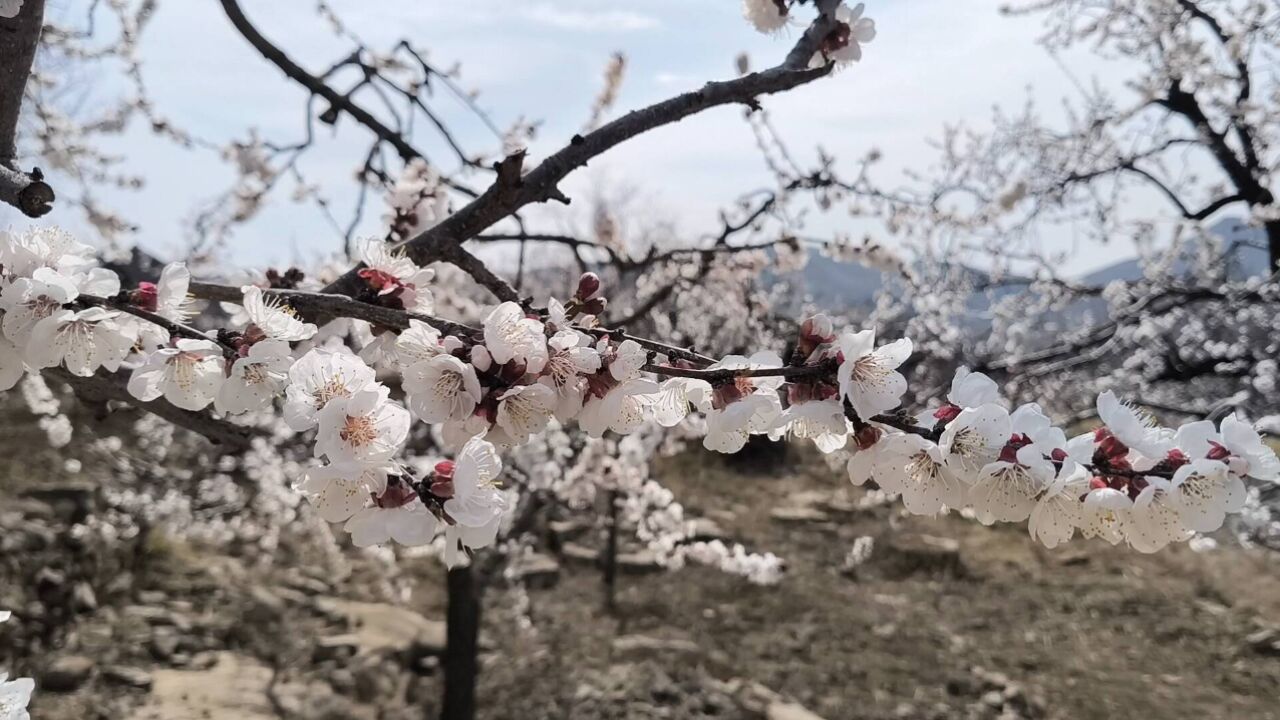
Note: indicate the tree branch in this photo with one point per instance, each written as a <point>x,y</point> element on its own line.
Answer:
<point>512,189</point>
<point>19,37</point>
<point>105,386</point>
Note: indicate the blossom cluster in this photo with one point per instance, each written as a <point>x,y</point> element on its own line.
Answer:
<point>1129,480</point>
<point>527,371</point>
<point>15,695</point>
<point>842,44</point>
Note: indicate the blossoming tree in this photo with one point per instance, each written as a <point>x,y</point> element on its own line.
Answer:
<point>354,370</point>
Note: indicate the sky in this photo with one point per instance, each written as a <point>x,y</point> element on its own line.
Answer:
<point>934,62</point>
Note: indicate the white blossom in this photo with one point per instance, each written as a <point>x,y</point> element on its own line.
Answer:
<point>256,379</point>
<point>525,410</point>
<point>15,695</point>
<point>1155,519</point>
<point>971,389</point>
<point>1204,491</point>
<point>821,421</point>
<point>621,409</point>
<point>29,300</point>
<point>85,340</point>
<point>441,389</point>
<point>570,358</point>
<point>397,514</point>
<point>926,482</point>
<point>392,273</point>
<point>511,336</point>
<point>868,375</point>
<point>1243,442</point>
<point>187,375</point>
<point>365,427</point>
<point>974,438</point>
<point>340,490</point>
<point>318,377</point>
<point>12,365</point>
<point>1134,428</point>
<point>1060,509</point>
<point>861,30</point>
<point>276,320</point>
<point>767,16</point>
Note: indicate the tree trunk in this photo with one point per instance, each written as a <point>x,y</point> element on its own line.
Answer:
<point>1273,245</point>
<point>461,667</point>
<point>609,561</point>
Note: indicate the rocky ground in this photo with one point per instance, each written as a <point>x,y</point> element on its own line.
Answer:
<point>947,619</point>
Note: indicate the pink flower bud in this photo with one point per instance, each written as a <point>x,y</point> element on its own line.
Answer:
<point>818,328</point>
<point>146,296</point>
<point>947,413</point>
<point>867,436</point>
<point>588,286</point>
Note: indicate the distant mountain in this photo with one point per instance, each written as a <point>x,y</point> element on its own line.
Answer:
<point>844,286</point>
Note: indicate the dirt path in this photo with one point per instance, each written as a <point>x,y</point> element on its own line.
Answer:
<point>996,624</point>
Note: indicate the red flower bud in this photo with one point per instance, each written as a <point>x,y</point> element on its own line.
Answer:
<point>146,296</point>
<point>397,494</point>
<point>444,468</point>
<point>588,286</point>
<point>947,413</point>
<point>867,436</point>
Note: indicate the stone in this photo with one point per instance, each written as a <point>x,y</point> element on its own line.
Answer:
<point>234,688</point>
<point>71,502</point>
<point>163,644</point>
<point>780,710</point>
<point>797,515</point>
<point>336,647</point>
<point>156,616</point>
<point>705,529</point>
<point>127,676</point>
<point>307,585</point>
<point>67,674</point>
<point>644,646</point>
<point>640,562</point>
<point>579,554</point>
<point>382,629</point>
<point>83,599</point>
<point>537,570</point>
<point>907,554</point>
<point>1264,642</point>
<point>570,529</point>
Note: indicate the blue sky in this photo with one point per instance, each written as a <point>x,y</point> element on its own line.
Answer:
<point>934,62</point>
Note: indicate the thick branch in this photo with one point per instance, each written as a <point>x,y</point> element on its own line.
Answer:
<point>106,386</point>
<point>317,86</point>
<point>19,37</point>
<point>322,307</point>
<point>513,190</point>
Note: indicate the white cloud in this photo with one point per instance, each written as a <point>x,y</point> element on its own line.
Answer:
<point>596,20</point>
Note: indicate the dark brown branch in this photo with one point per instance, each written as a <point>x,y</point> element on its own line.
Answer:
<point>475,267</point>
<point>19,38</point>
<point>338,101</point>
<point>824,369</point>
<point>105,386</point>
<point>513,189</point>
<point>322,307</point>
<point>175,329</point>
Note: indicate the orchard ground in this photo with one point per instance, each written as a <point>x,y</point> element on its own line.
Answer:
<point>948,619</point>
